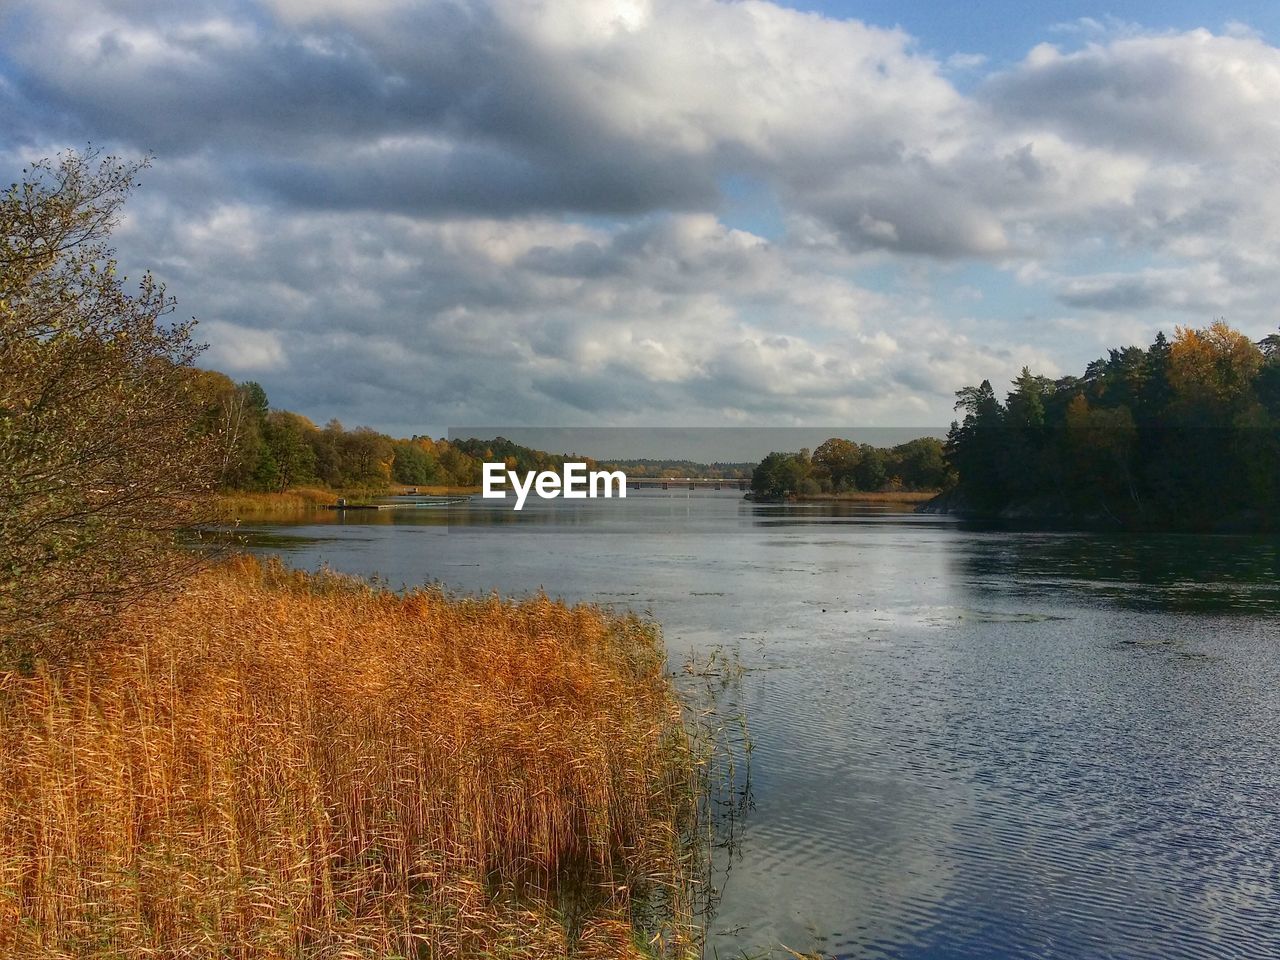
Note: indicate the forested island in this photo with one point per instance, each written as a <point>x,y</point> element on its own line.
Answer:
<point>1184,434</point>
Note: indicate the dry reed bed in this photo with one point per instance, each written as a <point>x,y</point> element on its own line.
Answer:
<point>281,765</point>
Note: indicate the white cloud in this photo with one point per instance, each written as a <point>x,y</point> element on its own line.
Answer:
<point>242,350</point>
<point>506,209</point>
<point>676,317</point>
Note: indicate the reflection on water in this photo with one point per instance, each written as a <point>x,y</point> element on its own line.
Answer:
<point>1157,572</point>
<point>967,744</point>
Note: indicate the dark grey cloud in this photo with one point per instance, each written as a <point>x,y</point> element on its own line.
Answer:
<point>613,391</point>
<point>1127,294</point>
<point>183,79</point>
<point>467,119</point>
<point>1124,295</point>
<point>467,179</point>
<point>1204,289</point>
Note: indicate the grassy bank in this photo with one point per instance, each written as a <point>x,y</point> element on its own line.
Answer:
<point>233,504</point>
<point>282,765</point>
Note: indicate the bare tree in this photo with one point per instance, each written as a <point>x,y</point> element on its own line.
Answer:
<point>102,460</point>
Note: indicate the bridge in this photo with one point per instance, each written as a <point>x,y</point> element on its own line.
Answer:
<point>692,483</point>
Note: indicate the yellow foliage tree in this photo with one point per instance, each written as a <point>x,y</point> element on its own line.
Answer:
<point>1217,363</point>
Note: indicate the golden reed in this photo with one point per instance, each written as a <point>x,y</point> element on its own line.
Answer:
<point>283,765</point>
<point>230,504</point>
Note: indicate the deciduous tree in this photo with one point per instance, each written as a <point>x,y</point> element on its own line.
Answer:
<point>103,451</point>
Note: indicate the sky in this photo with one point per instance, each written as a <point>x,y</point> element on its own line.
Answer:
<point>412,215</point>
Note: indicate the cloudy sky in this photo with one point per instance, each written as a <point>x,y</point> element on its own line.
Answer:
<point>413,214</point>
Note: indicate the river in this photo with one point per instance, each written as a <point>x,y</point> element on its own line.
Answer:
<point>967,744</point>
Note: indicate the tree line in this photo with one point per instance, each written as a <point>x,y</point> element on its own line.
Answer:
<point>843,466</point>
<point>267,450</point>
<point>1183,433</point>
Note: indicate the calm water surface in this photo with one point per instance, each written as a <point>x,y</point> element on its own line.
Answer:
<point>967,744</point>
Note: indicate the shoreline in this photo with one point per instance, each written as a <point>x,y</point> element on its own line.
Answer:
<point>859,496</point>
<point>230,504</point>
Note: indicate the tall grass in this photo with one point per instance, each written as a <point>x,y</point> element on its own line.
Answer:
<point>283,765</point>
<point>237,503</point>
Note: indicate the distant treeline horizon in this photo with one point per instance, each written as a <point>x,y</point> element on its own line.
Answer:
<point>271,450</point>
